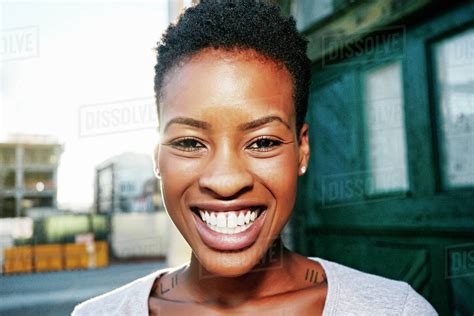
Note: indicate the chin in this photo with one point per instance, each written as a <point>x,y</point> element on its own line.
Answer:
<point>232,263</point>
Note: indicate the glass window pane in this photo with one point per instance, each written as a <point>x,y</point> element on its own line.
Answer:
<point>386,129</point>
<point>308,12</point>
<point>455,77</point>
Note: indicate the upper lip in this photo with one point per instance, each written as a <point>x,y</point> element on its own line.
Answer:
<point>227,206</point>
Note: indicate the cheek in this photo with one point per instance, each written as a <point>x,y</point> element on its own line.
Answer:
<point>177,175</point>
<point>279,175</point>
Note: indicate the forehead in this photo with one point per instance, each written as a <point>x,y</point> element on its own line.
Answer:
<point>217,81</point>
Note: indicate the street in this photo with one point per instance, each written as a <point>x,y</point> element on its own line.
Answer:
<point>56,293</point>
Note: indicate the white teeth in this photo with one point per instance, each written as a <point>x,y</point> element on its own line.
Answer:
<point>230,231</point>
<point>221,220</point>
<point>247,217</point>
<point>232,220</point>
<point>229,222</point>
<point>213,219</point>
<point>241,219</point>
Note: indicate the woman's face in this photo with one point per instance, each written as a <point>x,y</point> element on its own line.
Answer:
<point>230,153</point>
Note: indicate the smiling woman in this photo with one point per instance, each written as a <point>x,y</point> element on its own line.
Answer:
<point>231,88</point>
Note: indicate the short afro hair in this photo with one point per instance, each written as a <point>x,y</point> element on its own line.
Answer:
<point>237,24</point>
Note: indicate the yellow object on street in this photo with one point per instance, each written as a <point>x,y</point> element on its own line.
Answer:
<point>75,256</point>
<point>18,260</point>
<point>48,258</point>
<point>55,257</point>
<point>101,254</point>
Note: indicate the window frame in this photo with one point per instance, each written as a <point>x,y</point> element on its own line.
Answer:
<point>439,144</point>
<point>362,75</point>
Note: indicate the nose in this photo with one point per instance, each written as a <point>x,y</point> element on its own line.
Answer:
<point>226,175</point>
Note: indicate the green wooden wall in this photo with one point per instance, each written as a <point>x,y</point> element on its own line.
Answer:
<point>424,235</point>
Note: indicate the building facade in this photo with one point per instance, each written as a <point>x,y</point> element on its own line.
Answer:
<point>390,183</point>
<point>126,183</point>
<point>28,174</point>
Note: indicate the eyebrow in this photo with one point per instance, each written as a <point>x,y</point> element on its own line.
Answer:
<point>262,121</point>
<point>243,127</point>
<point>188,121</point>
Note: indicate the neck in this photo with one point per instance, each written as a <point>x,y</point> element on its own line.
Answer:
<point>268,277</point>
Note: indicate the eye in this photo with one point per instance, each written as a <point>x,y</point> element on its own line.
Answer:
<point>187,144</point>
<point>265,144</point>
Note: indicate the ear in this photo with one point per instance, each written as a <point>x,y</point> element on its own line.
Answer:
<point>156,154</point>
<point>304,149</point>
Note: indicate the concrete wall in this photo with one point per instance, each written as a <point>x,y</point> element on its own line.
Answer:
<point>148,235</point>
<point>179,251</point>
<point>139,234</point>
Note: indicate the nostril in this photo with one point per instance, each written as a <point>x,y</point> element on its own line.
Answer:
<point>226,185</point>
<point>226,193</point>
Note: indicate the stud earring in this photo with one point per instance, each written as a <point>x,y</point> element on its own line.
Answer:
<point>303,169</point>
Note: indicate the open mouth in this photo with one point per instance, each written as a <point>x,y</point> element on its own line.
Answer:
<point>229,230</point>
<point>232,222</point>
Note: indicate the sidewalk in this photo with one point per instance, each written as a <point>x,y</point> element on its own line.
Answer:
<point>56,293</point>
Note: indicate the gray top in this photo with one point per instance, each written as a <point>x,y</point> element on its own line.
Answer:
<point>350,292</point>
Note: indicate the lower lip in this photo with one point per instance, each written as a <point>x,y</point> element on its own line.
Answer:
<point>221,241</point>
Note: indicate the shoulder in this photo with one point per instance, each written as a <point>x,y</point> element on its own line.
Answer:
<point>416,304</point>
<point>130,299</point>
<point>356,292</point>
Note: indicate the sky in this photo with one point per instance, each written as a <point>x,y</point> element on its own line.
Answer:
<point>82,72</point>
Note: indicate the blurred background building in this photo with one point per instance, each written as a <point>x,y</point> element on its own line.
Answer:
<point>127,183</point>
<point>128,192</point>
<point>28,173</point>
<point>175,7</point>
